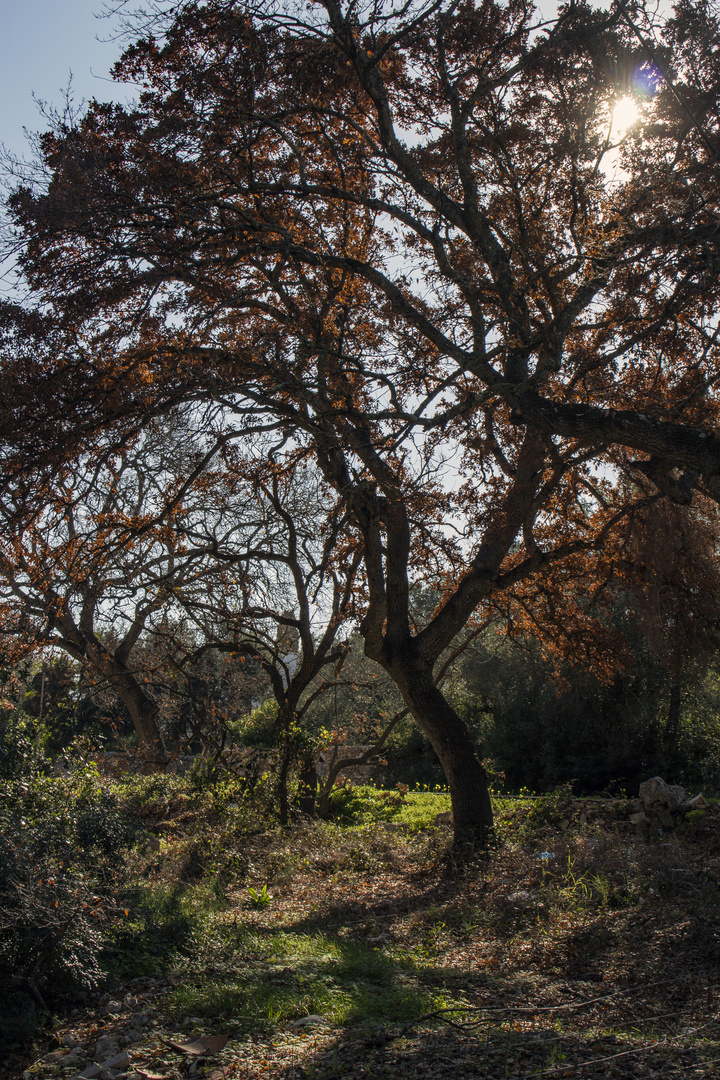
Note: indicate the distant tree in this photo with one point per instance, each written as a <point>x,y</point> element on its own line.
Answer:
<point>95,560</point>
<point>673,570</point>
<point>296,595</point>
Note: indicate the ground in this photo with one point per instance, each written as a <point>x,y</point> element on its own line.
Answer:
<point>579,948</point>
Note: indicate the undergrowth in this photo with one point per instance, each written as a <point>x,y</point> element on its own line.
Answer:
<point>352,919</point>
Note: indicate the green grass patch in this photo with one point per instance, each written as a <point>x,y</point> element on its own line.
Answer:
<point>161,924</point>
<point>276,977</point>
<point>363,804</point>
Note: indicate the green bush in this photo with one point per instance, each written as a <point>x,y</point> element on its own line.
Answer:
<point>60,845</point>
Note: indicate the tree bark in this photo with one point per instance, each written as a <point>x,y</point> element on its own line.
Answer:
<point>144,715</point>
<point>307,787</point>
<point>143,711</point>
<point>451,741</point>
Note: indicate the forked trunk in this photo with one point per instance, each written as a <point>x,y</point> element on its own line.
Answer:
<point>451,741</point>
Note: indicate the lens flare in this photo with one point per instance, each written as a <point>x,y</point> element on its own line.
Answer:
<point>625,114</point>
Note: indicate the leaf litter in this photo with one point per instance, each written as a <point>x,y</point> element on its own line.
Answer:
<point>610,970</point>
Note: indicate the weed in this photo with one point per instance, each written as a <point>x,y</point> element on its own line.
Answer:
<point>260,899</point>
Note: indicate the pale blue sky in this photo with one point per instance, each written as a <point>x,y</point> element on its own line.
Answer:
<point>41,42</point>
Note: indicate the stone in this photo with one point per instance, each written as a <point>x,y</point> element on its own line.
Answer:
<point>76,1055</point>
<point>637,819</point>
<point>310,1021</point>
<point>141,1019</point>
<point>120,1061</point>
<point>106,1047</point>
<point>655,794</point>
<point>90,1072</point>
<point>444,819</point>
<point>112,1008</point>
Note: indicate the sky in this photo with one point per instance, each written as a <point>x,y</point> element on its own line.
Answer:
<point>41,43</point>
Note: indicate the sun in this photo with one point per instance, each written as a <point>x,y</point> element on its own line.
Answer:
<point>625,114</point>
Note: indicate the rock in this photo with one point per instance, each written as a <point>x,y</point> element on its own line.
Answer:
<point>118,1062</point>
<point>90,1072</point>
<point>310,1021</point>
<point>521,897</point>
<point>444,819</point>
<point>112,1008</point>
<point>637,819</point>
<point>655,794</point>
<point>105,1048</point>
<point>141,1019</point>
<point>133,1036</point>
<point>76,1055</point>
<point>697,803</point>
<point>380,939</point>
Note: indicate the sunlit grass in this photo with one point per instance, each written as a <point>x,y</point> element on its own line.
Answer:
<point>277,977</point>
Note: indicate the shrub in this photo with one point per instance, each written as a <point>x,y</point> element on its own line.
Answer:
<point>59,844</point>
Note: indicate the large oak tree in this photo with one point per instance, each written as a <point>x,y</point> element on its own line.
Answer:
<point>392,231</point>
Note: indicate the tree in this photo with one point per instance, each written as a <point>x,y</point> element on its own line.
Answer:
<point>673,570</point>
<point>99,559</point>
<point>295,594</point>
<point>388,233</point>
<point>140,562</point>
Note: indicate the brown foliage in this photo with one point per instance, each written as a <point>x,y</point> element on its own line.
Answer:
<point>388,238</point>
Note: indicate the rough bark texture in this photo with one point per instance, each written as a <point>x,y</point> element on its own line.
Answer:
<point>451,741</point>
<point>143,713</point>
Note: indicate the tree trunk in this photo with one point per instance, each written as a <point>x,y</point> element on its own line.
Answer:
<point>307,786</point>
<point>143,713</point>
<point>451,741</point>
<point>282,786</point>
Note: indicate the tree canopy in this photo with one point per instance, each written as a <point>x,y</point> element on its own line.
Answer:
<point>388,237</point>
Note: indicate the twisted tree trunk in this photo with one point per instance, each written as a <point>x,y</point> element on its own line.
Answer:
<point>451,741</point>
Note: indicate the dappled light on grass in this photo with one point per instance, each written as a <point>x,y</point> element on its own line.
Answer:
<point>550,959</point>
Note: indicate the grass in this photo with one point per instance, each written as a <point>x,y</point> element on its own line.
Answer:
<point>275,978</point>
<point>363,804</point>
<point>364,927</point>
